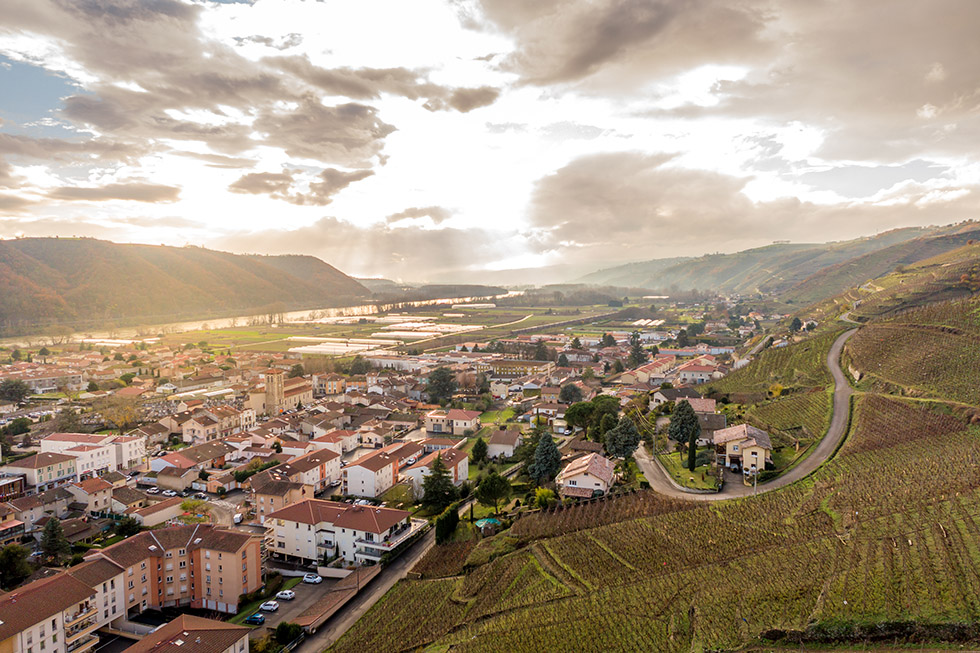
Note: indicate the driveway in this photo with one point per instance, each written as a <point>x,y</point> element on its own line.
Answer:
<point>660,482</point>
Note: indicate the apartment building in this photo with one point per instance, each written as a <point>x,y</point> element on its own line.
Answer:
<point>315,530</point>
<point>370,475</point>
<point>44,471</point>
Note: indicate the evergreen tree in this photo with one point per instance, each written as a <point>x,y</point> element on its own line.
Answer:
<point>570,394</point>
<point>623,440</point>
<point>683,422</point>
<point>692,448</point>
<point>438,486</point>
<point>606,424</point>
<point>479,452</point>
<point>547,460</point>
<point>638,355</point>
<point>296,371</point>
<point>493,489</point>
<point>562,360</point>
<point>540,351</point>
<point>608,340</point>
<point>54,544</point>
<point>576,343</point>
<point>795,325</point>
<point>441,385</point>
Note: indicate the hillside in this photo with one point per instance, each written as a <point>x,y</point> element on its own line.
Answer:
<point>878,544</point>
<point>773,268</point>
<point>854,272</point>
<point>82,283</point>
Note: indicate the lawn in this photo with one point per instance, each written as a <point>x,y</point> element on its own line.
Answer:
<point>399,497</point>
<point>699,479</point>
<point>253,607</point>
<point>497,416</point>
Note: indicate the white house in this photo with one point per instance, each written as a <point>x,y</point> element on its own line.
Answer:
<point>586,477</point>
<point>456,462</point>
<point>503,443</point>
<point>370,475</point>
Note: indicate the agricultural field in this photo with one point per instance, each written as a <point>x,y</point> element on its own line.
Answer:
<point>932,352</point>
<point>885,532</point>
<point>799,365</point>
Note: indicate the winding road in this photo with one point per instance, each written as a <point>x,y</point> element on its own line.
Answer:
<point>660,482</point>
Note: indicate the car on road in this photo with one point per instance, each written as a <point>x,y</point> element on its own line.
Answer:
<point>169,493</point>
<point>269,606</point>
<point>313,579</point>
<point>335,483</point>
<point>286,595</point>
<point>153,490</point>
<point>256,619</point>
<point>201,496</point>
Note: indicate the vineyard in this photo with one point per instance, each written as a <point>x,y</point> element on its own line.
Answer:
<point>799,365</point>
<point>807,414</point>
<point>933,351</point>
<point>889,530</point>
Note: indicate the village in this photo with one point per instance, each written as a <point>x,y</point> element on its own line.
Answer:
<point>148,462</point>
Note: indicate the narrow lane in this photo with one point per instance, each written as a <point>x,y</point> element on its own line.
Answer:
<point>660,482</point>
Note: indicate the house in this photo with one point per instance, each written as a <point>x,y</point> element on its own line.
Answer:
<point>314,530</point>
<point>201,428</point>
<point>456,462</point>
<point>158,513</point>
<point>177,478</point>
<point>664,395</point>
<point>339,441</point>
<point>370,475</point>
<point>435,444</point>
<point>31,509</point>
<point>124,498</point>
<point>586,477</point>
<point>12,486</point>
<point>454,421</point>
<point>743,446</point>
<point>696,374</point>
<point>206,634</point>
<point>11,528</point>
<point>273,490</point>
<point>503,443</point>
<point>318,469</point>
<point>95,493</point>
<point>209,454</point>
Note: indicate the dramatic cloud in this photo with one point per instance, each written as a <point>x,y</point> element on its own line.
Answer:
<point>135,192</point>
<point>437,214</point>
<point>286,185</point>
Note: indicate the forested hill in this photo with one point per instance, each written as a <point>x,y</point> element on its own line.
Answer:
<point>86,283</point>
<point>773,268</point>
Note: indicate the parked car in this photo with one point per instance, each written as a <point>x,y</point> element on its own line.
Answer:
<point>286,595</point>
<point>269,606</point>
<point>335,483</point>
<point>201,496</point>
<point>312,578</point>
<point>169,493</point>
<point>256,619</point>
<point>238,518</point>
<point>153,490</point>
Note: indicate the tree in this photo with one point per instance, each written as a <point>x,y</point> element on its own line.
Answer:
<point>795,325</point>
<point>277,446</point>
<point>438,487</point>
<point>692,448</point>
<point>606,424</point>
<point>588,374</point>
<point>287,632</point>
<point>441,385</point>
<point>479,451</point>
<point>67,421</point>
<point>19,426</point>
<point>638,355</point>
<point>682,339</point>
<point>295,371</point>
<point>544,497</point>
<point>54,544</point>
<point>128,526</point>
<point>493,489</point>
<point>618,366</point>
<point>576,343</point>
<point>121,412</point>
<point>562,360</point>
<point>540,351</point>
<point>683,422</point>
<point>570,394</point>
<point>44,351</point>
<point>15,354</point>
<point>359,366</point>
<point>608,340</point>
<point>446,524</point>
<point>92,386</point>
<point>547,460</point>
<point>13,565</point>
<point>622,440</point>
<point>579,414</point>
<point>14,390</point>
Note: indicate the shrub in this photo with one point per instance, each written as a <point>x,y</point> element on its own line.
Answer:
<point>287,632</point>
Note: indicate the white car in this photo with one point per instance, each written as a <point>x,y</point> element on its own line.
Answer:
<point>169,493</point>
<point>286,595</point>
<point>269,606</point>
<point>153,490</point>
<point>312,578</point>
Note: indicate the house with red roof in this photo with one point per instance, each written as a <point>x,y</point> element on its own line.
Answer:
<point>454,421</point>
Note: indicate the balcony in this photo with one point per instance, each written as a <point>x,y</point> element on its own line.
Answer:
<point>86,609</point>
<point>395,538</point>
<point>80,628</point>
<point>84,644</point>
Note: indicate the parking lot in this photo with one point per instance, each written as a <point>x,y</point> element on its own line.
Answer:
<point>306,595</point>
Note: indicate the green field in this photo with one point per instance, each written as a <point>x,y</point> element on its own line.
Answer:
<point>676,465</point>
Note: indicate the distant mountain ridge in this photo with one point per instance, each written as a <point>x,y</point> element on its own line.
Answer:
<point>87,282</point>
<point>773,268</point>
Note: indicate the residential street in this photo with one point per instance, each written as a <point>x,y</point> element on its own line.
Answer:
<point>660,482</point>
<point>306,595</point>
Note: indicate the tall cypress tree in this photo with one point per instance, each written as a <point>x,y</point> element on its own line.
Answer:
<point>547,460</point>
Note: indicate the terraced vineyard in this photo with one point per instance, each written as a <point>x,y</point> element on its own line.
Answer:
<point>799,365</point>
<point>931,352</point>
<point>807,413</point>
<point>886,531</point>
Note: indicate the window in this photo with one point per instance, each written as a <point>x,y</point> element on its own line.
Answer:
<point>734,447</point>
<point>181,552</point>
<point>170,579</point>
<point>143,566</point>
<point>207,554</point>
<point>183,564</point>
<point>144,578</point>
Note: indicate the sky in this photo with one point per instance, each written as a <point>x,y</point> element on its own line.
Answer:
<point>456,140</point>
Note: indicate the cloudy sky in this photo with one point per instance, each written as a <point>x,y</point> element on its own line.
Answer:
<point>442,139</point>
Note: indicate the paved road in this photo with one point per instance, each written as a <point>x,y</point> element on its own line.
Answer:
<point>339,623</point>
<point>306,595</point>
<point>734,487</point>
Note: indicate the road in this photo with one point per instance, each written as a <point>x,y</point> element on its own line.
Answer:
<point>734,487</point>
<point>339,623</point>
<point>306,595</point>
